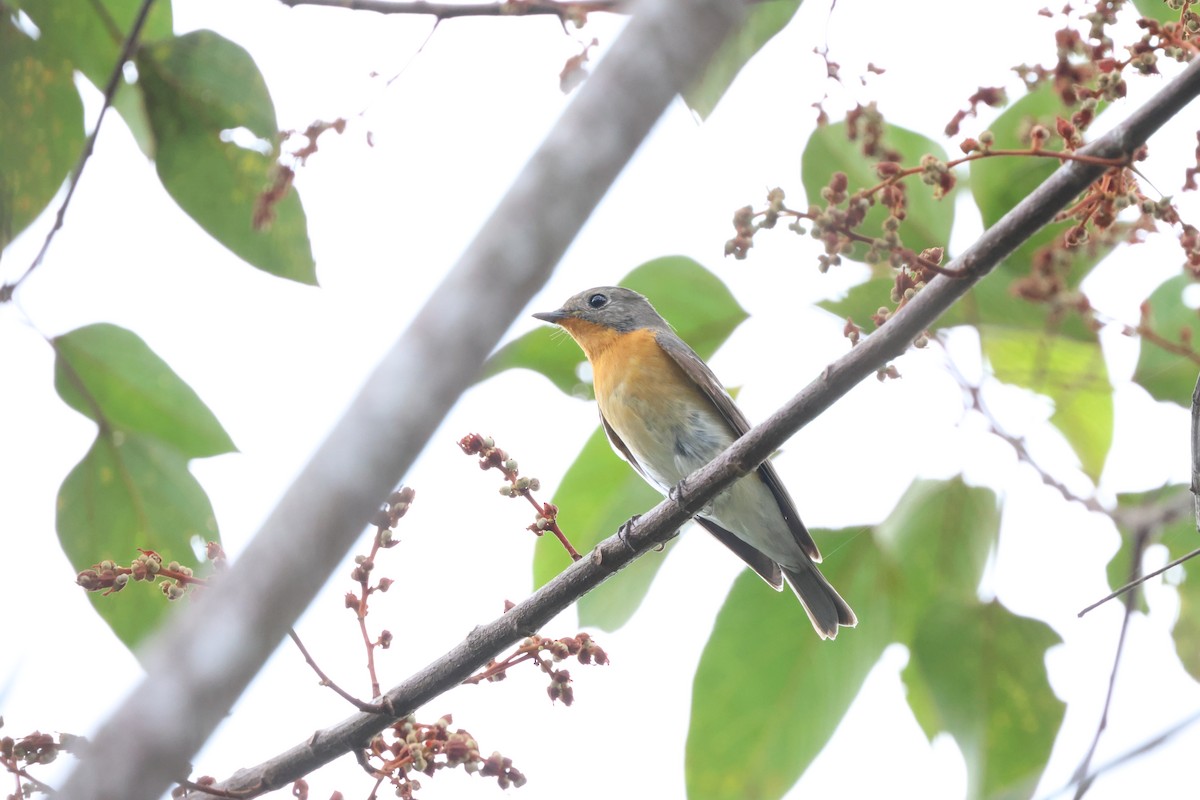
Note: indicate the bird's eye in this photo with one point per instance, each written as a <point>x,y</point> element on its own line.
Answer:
<point>598,301</point>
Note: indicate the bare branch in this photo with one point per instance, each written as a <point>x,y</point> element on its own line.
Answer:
<point>1136,752</point>
<point>202,662</point>
<point>660,523</point>
<point>1082,778</point>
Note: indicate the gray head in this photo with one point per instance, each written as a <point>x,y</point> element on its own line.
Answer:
<point>615,307</point>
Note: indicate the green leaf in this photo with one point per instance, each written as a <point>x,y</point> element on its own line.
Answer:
<point>978,672</point>
<point>768,692</point>
<point>131,491</point>
<point>762,22</point>
<point>41,128</point>
<point>598,493</point>
<point>200,90</point>
<point>830,150</point>
<point>1071,373</point>
<point>90,33</point>
<point>1169,376</point>
<point>695,301</point>
<point>1156,9</point>
<point>939,535</point>
<point>111,376</point>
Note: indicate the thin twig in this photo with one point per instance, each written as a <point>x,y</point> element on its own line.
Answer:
<point>1136,582</point>
<point>110,91</point>
<point>977,404</point>
<point>1082,777</point>
<point>361,705</point>
<point>1129,755</point>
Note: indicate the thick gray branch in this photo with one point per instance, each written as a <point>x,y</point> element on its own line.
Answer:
<point>200,665</point>
<point>661,522</point>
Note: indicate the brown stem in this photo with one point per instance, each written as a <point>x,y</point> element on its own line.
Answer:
<point>369,708</point>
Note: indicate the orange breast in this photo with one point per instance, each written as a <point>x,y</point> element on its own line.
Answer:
<point>648,400</point>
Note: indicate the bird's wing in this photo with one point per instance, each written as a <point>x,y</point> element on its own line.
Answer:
<point>622,450</point>
<point>695,368</point>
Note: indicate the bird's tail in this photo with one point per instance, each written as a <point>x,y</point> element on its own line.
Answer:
<point>826,608</point>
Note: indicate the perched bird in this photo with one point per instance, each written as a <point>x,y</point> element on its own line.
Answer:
<point>667,414</point>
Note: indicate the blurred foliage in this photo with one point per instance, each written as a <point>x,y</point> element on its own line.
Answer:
<point>762,22</point>
<point>768,693</point>
<point>837,147</point>
<point>1179,538</point>
<point>1168,363</point>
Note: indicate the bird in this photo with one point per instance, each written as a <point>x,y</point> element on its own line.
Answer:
<point>667,414</point>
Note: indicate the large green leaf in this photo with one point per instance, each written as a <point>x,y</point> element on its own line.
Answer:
<point>1170,376</point>
<point>203,93</point>
<point>131,491</point>
<point>111,376</point>
<point>940,535</point>
<point>41,127</point>
<point>769,692</point>
<point>763,21</point>
<point>598,493</point>
<point>1071,373</point>
<point>695,301</point>
<point>830,150</point>
<point>978,672</point>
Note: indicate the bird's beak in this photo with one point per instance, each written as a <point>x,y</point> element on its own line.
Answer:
<point>553,317</point>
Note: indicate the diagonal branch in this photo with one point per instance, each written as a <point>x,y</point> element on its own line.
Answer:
<point>660,523</point>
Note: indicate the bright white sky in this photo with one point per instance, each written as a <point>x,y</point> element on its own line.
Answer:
<point>278,363</point>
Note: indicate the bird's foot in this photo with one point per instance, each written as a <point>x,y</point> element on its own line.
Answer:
<point>679,492</point>
<point>624,530</point>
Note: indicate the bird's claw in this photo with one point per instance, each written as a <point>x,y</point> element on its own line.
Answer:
<point>623,531</point>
